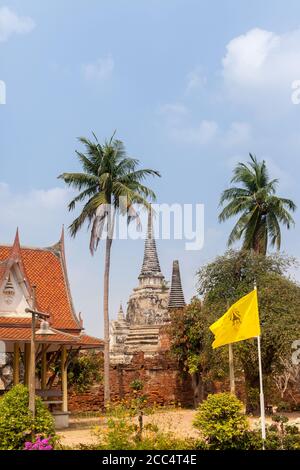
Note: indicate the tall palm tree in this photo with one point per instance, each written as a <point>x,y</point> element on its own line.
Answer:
<point>261,211</point>
<point>109,183</point>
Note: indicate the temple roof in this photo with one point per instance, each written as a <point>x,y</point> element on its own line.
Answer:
<point>176,297</point>
<point>150,267</point>
<point>45,269</point>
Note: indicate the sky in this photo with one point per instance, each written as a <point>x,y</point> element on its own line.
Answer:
<point>190,86</point>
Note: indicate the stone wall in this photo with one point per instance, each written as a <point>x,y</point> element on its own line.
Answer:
<point>163,384</point>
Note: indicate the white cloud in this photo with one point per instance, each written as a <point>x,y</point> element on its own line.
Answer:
<point>173,114</point>
<point>179,128</point>
<point>195,80</point>
<point>201,134</point>
<point>11,23</point>
<point>101,69</point>
<point>262,61</point>
<point>238,133</point>
<point>173,109</point>
<point>36,210</point>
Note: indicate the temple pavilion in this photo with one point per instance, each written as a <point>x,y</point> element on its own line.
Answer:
<point>37,278</point>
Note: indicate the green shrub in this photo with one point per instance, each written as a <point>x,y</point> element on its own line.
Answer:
<point>221,421</point>
<point>284,406</point>
<point>84,370</point>
<point>16,422</point>
<point>137,385</point>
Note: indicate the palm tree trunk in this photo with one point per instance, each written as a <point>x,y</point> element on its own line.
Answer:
<point>260,242</point>
<point>109,239</point>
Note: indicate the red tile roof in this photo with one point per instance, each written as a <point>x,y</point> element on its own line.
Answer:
<point>90,341</point>
<point>44,268</point>
<point>24,334</point>
<point>7,321</point>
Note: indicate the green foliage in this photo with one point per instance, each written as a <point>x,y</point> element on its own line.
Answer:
<point>260,211</point>
<point>137,385</point>
<point>84,370</point>
<point>284,406</point>
<point>190,341</point>
<point>221,420</point>
<point>16,422</point>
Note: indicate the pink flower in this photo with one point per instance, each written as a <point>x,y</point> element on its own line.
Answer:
<point>39,444</point>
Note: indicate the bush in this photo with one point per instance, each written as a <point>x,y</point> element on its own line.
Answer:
<point>284,406</point>
<point>221,421</point>
<point>84,370</point>
<point>16,422</point>
<point>137,385</point>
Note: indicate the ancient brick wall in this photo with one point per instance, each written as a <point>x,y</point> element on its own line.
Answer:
<point>163,383</point>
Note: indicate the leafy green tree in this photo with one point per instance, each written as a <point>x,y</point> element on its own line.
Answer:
<point>221,420</point>
<point>260,211</point>
<point>110,182</point>
<point>191,345</point>
<point>84,370</point>
<point>231,276</point>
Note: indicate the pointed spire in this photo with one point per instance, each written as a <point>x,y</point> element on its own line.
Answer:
<point>121,313</point>
<point>176,297</point>
<point>16,248</point>
<point>62,235</point>
<point>150,267</point>
<point>15,256</point>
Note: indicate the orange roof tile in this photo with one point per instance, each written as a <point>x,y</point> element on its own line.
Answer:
<point>24,334</point>
<point>91,341</point>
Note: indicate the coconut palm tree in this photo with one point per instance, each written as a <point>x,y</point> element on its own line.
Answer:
<point>260,211</point>
<point>110,182</point>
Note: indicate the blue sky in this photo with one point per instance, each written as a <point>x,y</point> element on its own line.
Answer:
<point>190,86</point>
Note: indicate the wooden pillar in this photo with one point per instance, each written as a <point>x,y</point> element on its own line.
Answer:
<point>26,363</point>
<point>16,364</point>
<point>64,379</point>
<point>44,368</point>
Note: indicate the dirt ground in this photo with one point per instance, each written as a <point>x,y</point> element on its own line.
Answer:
<point>180,422</point>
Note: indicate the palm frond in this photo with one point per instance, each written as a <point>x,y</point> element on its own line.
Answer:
<point>262,211</point>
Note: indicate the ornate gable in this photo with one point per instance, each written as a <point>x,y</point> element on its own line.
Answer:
<point>14,295</point>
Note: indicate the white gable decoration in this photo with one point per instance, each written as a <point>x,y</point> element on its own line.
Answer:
<point>13,296</point>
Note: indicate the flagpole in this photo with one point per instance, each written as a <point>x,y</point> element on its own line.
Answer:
<point>231,364</point>
<point>261,390</point>
<point>231,369</point>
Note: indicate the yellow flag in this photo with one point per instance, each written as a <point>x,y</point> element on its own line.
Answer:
<point>241,321</point>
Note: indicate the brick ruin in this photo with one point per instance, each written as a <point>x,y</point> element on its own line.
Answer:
<point>163,383</point>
